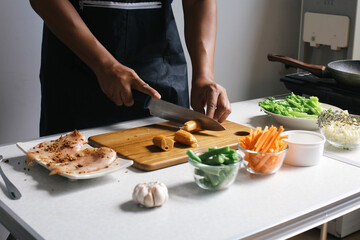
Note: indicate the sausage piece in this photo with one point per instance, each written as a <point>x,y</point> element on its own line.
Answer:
<point>163,142</point>
<point>186,138</point>
<point>192,126</point>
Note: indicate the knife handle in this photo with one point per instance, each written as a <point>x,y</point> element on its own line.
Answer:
<point>147,99</point>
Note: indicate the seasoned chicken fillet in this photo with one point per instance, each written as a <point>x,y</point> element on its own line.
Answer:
<point>58,149</point>
<point>68,154</point>
<point>87,160</point>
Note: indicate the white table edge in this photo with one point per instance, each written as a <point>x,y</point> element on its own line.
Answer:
<point>18,228</point>
<point>308,221</point>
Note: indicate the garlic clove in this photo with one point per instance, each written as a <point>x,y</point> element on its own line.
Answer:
<point>160,194</point>
<point>149,200</point>
<point>144,191</point>
<point>136,193</point>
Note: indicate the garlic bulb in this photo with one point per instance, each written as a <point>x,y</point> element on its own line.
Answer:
<point>152,194</point>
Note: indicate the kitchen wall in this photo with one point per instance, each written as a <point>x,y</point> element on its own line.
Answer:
<point>247,31</point>
<point>20,41</point>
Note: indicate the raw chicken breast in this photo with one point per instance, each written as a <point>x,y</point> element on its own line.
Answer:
<point>56,150</point>
<point>68,154</point>
<point>87,160</point>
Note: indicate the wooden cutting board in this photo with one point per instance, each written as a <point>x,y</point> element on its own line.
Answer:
<point>136,143</point>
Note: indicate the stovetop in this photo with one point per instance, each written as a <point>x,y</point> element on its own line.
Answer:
<point>326,89</point>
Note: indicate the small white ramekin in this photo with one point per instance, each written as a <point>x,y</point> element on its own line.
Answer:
<point>305,148</point>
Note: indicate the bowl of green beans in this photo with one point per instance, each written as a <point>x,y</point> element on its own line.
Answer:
<point>215,168</point>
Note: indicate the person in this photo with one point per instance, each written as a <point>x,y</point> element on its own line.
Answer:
<point>101,59</point>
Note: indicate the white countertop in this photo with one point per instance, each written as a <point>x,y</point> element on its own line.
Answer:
<point>263,207</point>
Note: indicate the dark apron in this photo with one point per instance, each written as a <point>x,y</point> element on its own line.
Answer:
<point>145,40</point>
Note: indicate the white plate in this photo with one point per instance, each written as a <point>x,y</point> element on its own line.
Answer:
<point>298,123</point>
<point>119,163</point>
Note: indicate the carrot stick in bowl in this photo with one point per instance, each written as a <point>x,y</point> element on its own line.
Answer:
<point>261,143</point>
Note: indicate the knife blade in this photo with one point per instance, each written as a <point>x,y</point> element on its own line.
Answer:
<point>175,113</point>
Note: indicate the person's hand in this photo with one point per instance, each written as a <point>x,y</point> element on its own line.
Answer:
<point>205,92</point>
<point>118,80</point>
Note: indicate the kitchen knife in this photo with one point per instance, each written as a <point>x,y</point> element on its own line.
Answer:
<point>175,113</point>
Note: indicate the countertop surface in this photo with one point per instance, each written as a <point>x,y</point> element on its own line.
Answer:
<point>52,207</point>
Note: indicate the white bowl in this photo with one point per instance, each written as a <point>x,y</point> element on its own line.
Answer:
<point>298,123</point>
<point>305,148</point>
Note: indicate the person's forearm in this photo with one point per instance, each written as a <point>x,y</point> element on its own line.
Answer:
<point>65,22</point>
<point>200,34</point>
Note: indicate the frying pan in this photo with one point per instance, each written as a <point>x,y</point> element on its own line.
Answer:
<point>346,72</point>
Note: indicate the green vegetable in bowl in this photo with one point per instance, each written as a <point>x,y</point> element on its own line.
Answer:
<point>293,106</point>
<point>215,156</point>
<point>216,168</point>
